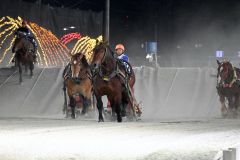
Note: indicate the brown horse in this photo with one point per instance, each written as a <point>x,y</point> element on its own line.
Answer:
<point>110,79</point>
<point>77,82</point>
<point>24,54</point>
<point>228,88</point>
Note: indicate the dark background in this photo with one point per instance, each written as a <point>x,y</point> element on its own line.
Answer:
<point>188,32</point>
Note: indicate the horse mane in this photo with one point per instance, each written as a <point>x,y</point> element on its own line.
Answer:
<point>99,46</point>
<point>84,61</point>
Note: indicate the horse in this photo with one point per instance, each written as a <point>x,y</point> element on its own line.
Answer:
<point>24,55</point>
<point>228,88</point>
<point>110,78</point>
<point>77,84</point>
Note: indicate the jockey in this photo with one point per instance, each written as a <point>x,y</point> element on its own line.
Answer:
<point>123,57</point>
<point>25,31</point>
<point>120,52</point>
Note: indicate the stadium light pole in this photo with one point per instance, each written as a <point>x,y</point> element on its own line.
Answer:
<point>106,21</point>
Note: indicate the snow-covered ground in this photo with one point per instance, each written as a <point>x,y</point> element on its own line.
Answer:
<point>181,119</point>
<point>87,139</point>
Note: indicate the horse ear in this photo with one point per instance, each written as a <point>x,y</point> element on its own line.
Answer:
<point>218,62</point>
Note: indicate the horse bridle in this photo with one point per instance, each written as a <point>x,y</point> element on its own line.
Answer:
<point>105,52</point>
<point>74,62</point>
<point>99,70</point>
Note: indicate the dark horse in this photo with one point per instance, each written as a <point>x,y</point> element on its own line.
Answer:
<point>24,54</point>
<point>110,79</point>
<point>228,87</point>
<point>77,83</point>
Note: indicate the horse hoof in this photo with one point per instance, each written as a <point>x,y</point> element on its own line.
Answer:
<point>101,120</point>
<point>138,119</point>
<point>82,113</point>
<point>130,119</point>
<point>224,114</point>
<point>73,116</point>
<point>119,120</point>
<point>113,118</point>
<point>123,113</point>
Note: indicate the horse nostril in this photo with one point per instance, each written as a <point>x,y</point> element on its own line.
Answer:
<point>94,65</point>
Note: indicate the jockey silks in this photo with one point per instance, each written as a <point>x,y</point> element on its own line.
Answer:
<point>123,57</point>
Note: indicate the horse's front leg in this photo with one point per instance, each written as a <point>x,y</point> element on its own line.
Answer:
<point>224,109</point>
<point>26,69</point>
<point>20,72</point>
<point>100,109</point>
<point>31,67</point>
<point>72,105</point>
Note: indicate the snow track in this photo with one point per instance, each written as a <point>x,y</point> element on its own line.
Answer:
<point>180,119</point>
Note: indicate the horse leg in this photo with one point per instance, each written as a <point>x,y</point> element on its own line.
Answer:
<point>31,67</point>
<point>26,69</point>
<point>224,109</point>
<point>118,111</point>
<point>65,110</point>
<point>231,106</point>
<point>86,103</point>
<point>124,104</point>
<point>236,104</point>
<point>113,106</point>
<point>72,105</point>
<point>100,109</point>
<point>20,72</point>
<point>116,107</point>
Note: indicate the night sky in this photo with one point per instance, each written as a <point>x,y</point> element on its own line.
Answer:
<point>177,25</point>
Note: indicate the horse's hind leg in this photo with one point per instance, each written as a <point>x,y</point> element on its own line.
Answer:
<point>118,111</point>
<point>116,106</point>
<point>236,104</point>
<point>231,107</point>
<point>72,104</point>
<point>100,109</point>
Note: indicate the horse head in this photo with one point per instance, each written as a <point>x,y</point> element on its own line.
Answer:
<point>99,54</point>
<point>18,44</point>
<point>78,64</point>
<point>225,71</point>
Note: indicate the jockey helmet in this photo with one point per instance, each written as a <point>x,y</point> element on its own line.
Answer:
<point>120,46</point>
